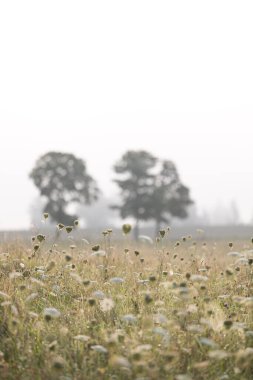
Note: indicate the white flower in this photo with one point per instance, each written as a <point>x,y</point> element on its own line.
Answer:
<point>99,348</point>
<point>106,304</point>
<point>99,253</point>
<point>129,318</point>
<point>98,294</point>
<point>51,312</point>
<point>82,338</point>
<point>198,278</point>
<point>117,280</point>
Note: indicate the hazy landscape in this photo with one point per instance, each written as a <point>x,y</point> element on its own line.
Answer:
<point>126,209</point>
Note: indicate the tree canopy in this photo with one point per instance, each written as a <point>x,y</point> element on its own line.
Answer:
<point>136,184</point>
<point>150,189</point>
<point>62,179</point>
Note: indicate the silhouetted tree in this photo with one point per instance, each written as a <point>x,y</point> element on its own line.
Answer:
<point>150,189</point>
<point>136,184</point>
<point>63,180</point>
<point>170,198</point>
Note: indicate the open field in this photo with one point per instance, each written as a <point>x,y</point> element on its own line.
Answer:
<point>120,310</point>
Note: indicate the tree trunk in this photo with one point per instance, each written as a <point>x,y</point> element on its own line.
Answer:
<point>158,227</point>
<point>136,230</point>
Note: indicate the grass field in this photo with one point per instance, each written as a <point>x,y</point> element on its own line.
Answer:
<point>120,310</point>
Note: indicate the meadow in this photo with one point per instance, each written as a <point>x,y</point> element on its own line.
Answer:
<point>117,309</point>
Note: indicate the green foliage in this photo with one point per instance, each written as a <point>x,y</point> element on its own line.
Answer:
<point>63,180</point>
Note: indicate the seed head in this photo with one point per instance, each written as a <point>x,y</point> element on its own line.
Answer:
<point>126,228</point>
<point>92,301</point>
<point>40,238</point>
<point>36,247</point>
<point>148,299</point>
<point>162,233</point>
<point>228,324</point>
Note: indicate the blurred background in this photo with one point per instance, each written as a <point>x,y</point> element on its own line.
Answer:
<point>97,80</point>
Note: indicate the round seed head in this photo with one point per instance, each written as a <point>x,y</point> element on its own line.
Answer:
<point>126,228</point>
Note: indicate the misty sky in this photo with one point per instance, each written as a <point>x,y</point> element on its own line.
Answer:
<point>99,77</point>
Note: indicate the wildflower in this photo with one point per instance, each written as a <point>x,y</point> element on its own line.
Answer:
<point>41,237</point>
<point>52,345</point>
<point>126,228</point>
<point>148,299</point>
<point>58,363</point>
<point>13,275</point>
<point>82,338</point>
<point>119,361</point>
<point>95,248</point>
<point>99,294</point>
<point>129,319</point>
<point>99,253</point>
<point>198,278</point>
<point>91,301</point>
<point>228,324</point>
<point>183,377</point>
<point>68,258</point>
<point>106,304</point>
<point>51,313</point>
<point>36,247</point>
<point>99,348</point>
<point>162,233</point>
<point>218,354</point>
<point>207,342</point>
<point>160,319</point>
<point>117,280</point>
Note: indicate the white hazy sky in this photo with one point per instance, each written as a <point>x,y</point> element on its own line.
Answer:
<point>98,77</point>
